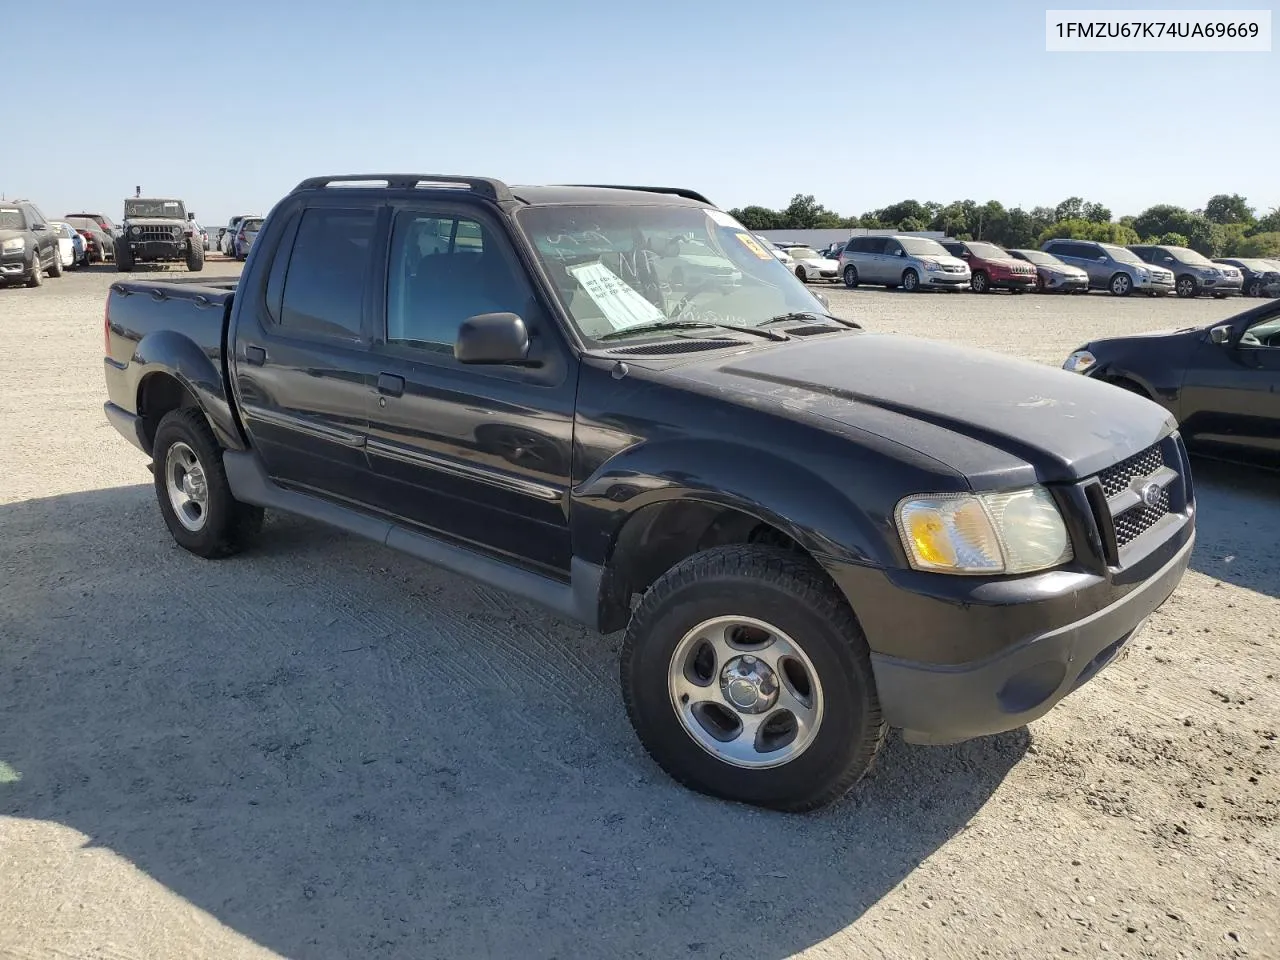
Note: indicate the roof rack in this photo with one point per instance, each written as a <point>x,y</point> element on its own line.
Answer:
<point>675,191</point>
<point>485,186</point>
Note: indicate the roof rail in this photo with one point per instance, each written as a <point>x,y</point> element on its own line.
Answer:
<point>485,186</point>
<point>675,191</point>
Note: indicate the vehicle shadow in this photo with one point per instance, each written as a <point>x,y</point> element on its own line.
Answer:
<point>337,751</point>
<point>1237,525</point>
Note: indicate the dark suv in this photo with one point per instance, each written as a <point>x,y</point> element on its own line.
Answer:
<point>28,244</point>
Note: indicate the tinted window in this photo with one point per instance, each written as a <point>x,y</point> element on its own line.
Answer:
<point>328,272</point>
<point>955,249</point>
<point>875,244</point>
<point>444,269</point>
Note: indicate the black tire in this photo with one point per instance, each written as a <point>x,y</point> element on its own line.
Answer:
<point>850,276</point>
<point>36,277</point>
<point>1120,285</point>
<point>800,275</point>
<point>1040,287</point>
<point>124,259</point>
<point>910,280</point>
<point>789,592</point>
<point>195,256</point>
<point>980,283</point>
<point>1255,288</point>
<point>55,269</point>
<point>1186,286</point>
<point>228,526</point>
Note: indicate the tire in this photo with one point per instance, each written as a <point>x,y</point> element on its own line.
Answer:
<point>36,277</point>
<point>850,276</point>
<point>217,526</point>
<point>910,280</point>
<point>1039,284</point>
<point>55,269</point>
<point>1186,287</point>
<point>1121,285</point>
<point>1255,289</point>
<point>790,595</point>
<point>124,259</point>
<point>800,275</point>
<point>195,257</point>
<point>979,283</point>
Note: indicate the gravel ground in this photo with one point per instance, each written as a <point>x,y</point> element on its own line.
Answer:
<point>324,749</point>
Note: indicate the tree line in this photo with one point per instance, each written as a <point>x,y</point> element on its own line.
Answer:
<point>1227,226</point>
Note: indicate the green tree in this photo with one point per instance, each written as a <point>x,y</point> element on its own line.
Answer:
<point>912,225</point>
<point>1268,224</point>
<point>805,213</point>
<point>1071,208</point>
<point>1081,229</point>
<point>1097,213</point>
<point>1228,208</point>
<point>1260,245</point>
<point>1172,240</point>
<point>757,218</point>
<point>895,213</point>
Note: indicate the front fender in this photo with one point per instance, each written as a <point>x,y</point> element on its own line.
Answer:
<point>167,352</point>
<point>785,494</point>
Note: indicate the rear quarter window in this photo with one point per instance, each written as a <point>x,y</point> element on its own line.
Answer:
<point>327,275</point>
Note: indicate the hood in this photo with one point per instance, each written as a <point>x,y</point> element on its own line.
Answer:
<point>1066,269</point>
<point>994,419</point>
<point>945,258</point>
<point>155,222</point>
<point>1010,262</point>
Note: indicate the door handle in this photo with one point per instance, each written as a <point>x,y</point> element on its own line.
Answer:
<point>255,355</point>
<point>390,385</point>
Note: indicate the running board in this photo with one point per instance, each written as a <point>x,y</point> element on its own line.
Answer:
<point>578,600</point>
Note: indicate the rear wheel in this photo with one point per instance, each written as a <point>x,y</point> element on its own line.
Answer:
<point>910,280</point>
<point>191,487</point>
<point>1040,288</point>
<point>747,677</point>
<point>55,268</point>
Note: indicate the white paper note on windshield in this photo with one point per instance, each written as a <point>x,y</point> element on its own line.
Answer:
<point>621,305</point>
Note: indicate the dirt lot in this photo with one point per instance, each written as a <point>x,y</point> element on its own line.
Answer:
<point>323,749</point>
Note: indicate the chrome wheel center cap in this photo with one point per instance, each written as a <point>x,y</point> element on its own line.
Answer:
<point>749,684</point>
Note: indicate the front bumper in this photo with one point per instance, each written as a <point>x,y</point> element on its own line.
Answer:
<point>158,249</point>
<point>1056,282</point>
<point>1228,287</point>
<point>948,703</point>
<point>945,280</point>
<point>1019,282</point>
<point>1154,286</point>
<point>15,266</point>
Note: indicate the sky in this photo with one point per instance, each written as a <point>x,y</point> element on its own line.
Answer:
<point>228,104</point>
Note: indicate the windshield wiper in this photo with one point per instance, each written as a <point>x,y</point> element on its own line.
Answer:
<point>692,325</point>
<point>810,315</point>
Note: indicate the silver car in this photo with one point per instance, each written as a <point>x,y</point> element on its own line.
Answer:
<point>1194,272</point>
<point>1111,267</point>
<point>912,263</point>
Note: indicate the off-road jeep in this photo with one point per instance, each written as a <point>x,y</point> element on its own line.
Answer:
<point>158,231</point>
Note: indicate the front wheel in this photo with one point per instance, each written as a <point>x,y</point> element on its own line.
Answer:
<point>910,280</point>
<point>1186,287</point>
<point>1121,285</point>
<point>195,257</point>
<point>800,275</point>
<point>746,677</point>
<point>191,486</point>
<point>1255,288</point>
<point>36,277</point>
<point>850,276</point>
<point>979,283</point>
<point>124,259</point>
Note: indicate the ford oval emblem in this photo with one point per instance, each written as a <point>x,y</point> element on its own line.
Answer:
<point>1151,494</point>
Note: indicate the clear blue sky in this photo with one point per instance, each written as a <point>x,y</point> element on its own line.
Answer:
<point>749,101</point>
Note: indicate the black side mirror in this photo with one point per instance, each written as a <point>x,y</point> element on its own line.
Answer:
<point>492,338</point>
<point>191,216</point>
<point>1220,334</point>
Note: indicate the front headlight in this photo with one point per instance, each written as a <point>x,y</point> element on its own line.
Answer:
<point>1144,274</point>
<point>14,245</point>
<point>1020,531</point>
<point>136,231</point>
<point>177,232</point>
<point>933,266</point>
<point>1080,361</point>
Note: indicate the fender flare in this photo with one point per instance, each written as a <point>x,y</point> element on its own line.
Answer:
<point>178,356</point>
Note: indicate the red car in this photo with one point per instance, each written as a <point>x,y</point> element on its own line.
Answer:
<point>992,267</point>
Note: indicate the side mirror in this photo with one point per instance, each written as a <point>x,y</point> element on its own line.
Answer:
<point>492,338</point>
<point>190,215</point>
<point>1220,334</point>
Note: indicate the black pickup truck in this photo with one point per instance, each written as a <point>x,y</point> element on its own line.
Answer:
<point>614,401</point>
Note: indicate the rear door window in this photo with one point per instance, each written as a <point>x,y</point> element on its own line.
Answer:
<point>327,278</point>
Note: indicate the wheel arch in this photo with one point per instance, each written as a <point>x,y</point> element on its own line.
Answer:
<point>173,372</point>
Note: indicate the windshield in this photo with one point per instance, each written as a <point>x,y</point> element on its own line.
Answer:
<point>83,223</point>
<point>1120,253</point>
<point>987,251</point>
<point>803,253</point>
<point>252,226</point>
<point>923,247</point>
<point>618,266</point>
<point>1186,255</point>
<point>171,209</point>
<point>11,219</point>
<point>1040,257</point>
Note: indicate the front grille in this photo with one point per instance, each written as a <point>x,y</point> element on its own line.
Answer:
<point>153,233</point>
<point>1117,479</point>
<point>1138,520</point>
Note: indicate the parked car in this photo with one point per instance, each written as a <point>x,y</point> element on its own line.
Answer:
<point>796,566</point>
<point>1052,275</point>
<point>807,264</point>
<point>992,267</point>
<point>246,233</point>
<point>99,245</point>
<point>226,248</point>
<point>1194,273</point>
<point>158,230</point>
<point>913,263</point>
<point>1260,277</point>
<point>101,220</point>
<point>1111,267</point>
<point>1221,381</point>
<point>777,251</point>
<point>70,244</point>
<point>28,244</point>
